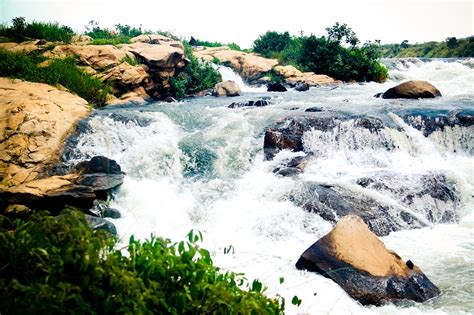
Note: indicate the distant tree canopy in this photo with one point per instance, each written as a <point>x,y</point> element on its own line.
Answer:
<point>450,48</point>
<point>325,54</point>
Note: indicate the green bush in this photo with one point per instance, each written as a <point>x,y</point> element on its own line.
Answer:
<point>20,31</point>
<point>271,42</point>
<point>58,71</point>
<point>61,266</point>
<point>326,55</point>
<point>232,46</point>
<point>197,76</point>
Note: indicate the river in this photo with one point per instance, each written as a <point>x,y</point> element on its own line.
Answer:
<point>198,164</point>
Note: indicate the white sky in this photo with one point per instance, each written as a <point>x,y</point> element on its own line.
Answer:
<point>242,21</point>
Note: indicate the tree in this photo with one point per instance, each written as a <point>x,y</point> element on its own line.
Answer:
<point>339,31</point>
<point>452,42</point>
<point>271,42</point>
<point>404,44</point>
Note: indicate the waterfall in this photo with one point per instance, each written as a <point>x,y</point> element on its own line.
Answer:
<point>229,74</point>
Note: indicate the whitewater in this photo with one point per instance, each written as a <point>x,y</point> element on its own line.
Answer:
<point>198,164</point>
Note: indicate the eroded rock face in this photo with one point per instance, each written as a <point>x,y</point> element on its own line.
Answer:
<point>227,88</point>
<point>35,119</point>
<point>412,89</point>
<point>248,65</point>
<point>359,262</point>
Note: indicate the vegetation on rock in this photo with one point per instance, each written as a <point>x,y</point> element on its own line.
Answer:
<point>61,266</point>
<point>198,75</point>
<point>20,31</point>
<point>451,47</point>
<point>56,71</point>
<point>232,46</point>
<point>338,55</point>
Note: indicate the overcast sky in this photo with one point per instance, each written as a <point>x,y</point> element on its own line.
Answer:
<point>391,21</point>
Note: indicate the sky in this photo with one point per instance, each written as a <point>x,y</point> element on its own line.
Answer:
<point>391,21</point>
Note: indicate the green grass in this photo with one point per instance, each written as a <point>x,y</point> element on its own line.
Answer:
<point>59,71</point>
<point>61,266</point>
<point>110,41</point>
<point>50,31</point>
<point>232,46</point>
<point>131,61</point>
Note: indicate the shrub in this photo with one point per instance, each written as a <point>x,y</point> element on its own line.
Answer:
<point>20,31</point>
<point>197,76</point>
<point>232,46</point>
<point>61,266</point>
<point>271,42</point>
<point>58,71</point>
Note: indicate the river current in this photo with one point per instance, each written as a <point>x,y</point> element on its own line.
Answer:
<point>198,164</point>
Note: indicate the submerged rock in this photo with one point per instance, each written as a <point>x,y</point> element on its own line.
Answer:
<point>276,87</point>
<point>412,89</point>
<point>257,103</point>
<point>227,88</point>
<point>301,87</point>
<point>359,262</point>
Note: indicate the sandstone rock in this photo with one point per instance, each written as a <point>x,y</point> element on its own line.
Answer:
<point>227,88</point>
<point>248,65</point>
<point>136,97</point>
<point>293,77</point>
<point>126,77</point>
<point>99,57</point>
<point>359,262</point>
<point>157,56</point>
<point>151,39</point>
<point>276,87</point>
<point>412,89</point>
<point>81,39</point>
<point>25,47</point>
<point>35,119</point>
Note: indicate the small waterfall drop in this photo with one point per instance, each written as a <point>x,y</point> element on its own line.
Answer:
<point>229,74</point>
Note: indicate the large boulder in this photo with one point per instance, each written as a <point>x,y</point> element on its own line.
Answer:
<point>276,87</point>
<point>126,77</point>
<point>35,119</point>
<point>227,88</point>
<point>412,89</point>
<point>293,77</point>
<point>151,39</point>
<point>359,262</point>
<point>154,56</point>
<point>247,65</point>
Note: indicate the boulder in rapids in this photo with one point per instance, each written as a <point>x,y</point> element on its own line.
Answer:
<point>257,103</point>
<point>227,88</point>
<point>359,262</point>
<point>276,87</point>
<point>412,89</point>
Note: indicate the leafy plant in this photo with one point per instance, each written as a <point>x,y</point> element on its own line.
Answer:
<point>61,266</point>
<point>271,42</point>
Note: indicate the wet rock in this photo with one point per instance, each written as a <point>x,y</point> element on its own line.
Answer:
<point>429,121</point>
<point>276,87</point>
<point>412,89</point>
<point>301,87</point>
<point>335,202</point>
<point>98,164</point>
<point>314,109</point>
<point>257,103</point>
<point>111,213</point>
<point>97,223</point>
<point>353,257</point>
<point>227,88</point>
<point>170,99</point>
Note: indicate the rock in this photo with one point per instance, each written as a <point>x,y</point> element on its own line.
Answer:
<point>170,99</point>
<point>227,88</point>
<point>25,47</point>
<point>276,87</point>
<point>136,97</point>
<point>412,89</point>
<point>81,39</point>
<point>314,109</point>
<point>98,164</point>
<point>155,39</point>
<point>257,103</point>
<point>207,92</point>
<point>35,119</point>
<point>98,57</point>
<point>249,66</point>
<point>333,202</point>
<point>97,223</point>
<point>302,87</point>
<point>293,77</point>
<point>125,77</point>
<point>157,56</point>
<point>359,262</point>
<point>111,213</point>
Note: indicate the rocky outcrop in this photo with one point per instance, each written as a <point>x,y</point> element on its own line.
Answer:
<point>126,78</point>
<point>359,262</point>
<point>155,39</point>
<point>249,66</point>
<point>293,77</point>
<point>25,47</point>
<point>89,181</point>
<point>35,119</point>
<point>412,89</point>
<point>227,88</point>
